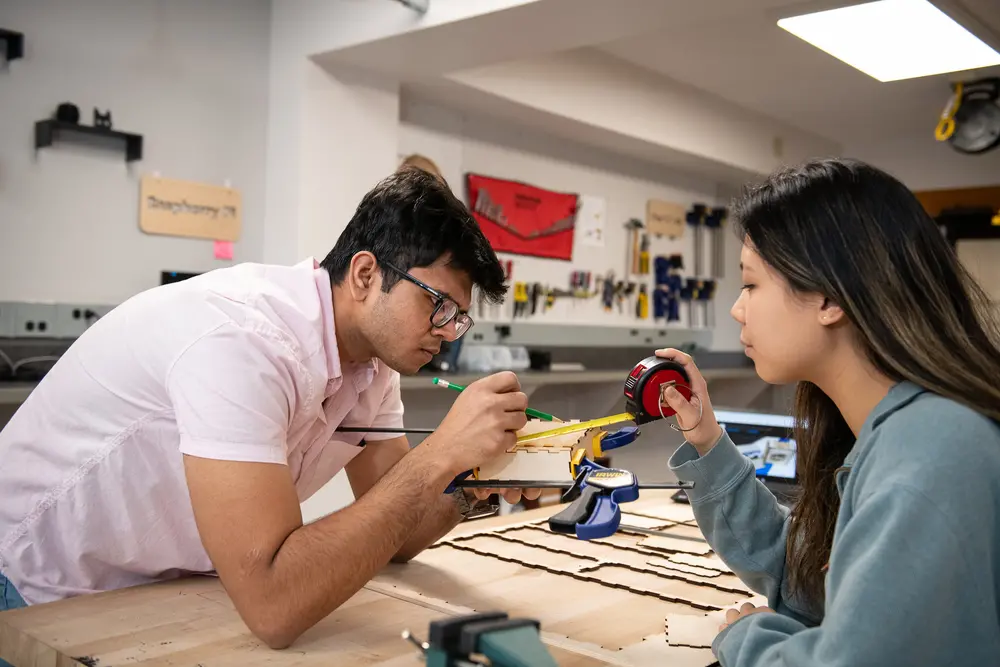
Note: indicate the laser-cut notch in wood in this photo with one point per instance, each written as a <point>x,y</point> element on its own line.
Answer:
<point>699,596</point>
<point>605,554</point>
<point>681,567</point>
<point>545,460</point>
<point>695,631</point>
<point>708,563</point>
<point>670,544</point>
<point>504,548</point>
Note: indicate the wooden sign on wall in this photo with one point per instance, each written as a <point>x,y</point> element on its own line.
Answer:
<point>182,208</point>
<point>664,218</point>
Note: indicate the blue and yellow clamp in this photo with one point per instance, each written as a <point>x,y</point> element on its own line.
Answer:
<point>596,497</point>
<point>599,492</point>
<point>606,440</point>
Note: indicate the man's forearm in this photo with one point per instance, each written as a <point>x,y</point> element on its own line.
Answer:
<point>321,565</point>
<point>442,516</point>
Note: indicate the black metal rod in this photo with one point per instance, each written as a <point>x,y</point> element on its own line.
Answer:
<point>548,484</point>
<point>381,429</point>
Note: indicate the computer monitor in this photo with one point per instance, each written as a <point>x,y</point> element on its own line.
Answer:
<point>766,439</point>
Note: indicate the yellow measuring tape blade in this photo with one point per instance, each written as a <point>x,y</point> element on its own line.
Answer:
<point>576,428</point>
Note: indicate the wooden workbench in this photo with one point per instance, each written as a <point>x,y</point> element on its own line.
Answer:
<point>591,612</point>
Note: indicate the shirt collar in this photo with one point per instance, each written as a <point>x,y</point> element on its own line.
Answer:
<point>362,374</point>
<point>900,395</point>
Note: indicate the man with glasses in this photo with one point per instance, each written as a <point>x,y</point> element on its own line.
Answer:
<point>181,432</point>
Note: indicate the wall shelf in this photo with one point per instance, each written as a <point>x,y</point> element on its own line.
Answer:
<point>11,44</point>
<point>47,131</point>
<point>539,334</point>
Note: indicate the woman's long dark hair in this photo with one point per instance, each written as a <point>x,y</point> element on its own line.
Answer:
<point>859,237</point>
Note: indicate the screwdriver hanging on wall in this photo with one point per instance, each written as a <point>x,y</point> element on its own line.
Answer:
<point>714,221</point>
<point>696,220</point>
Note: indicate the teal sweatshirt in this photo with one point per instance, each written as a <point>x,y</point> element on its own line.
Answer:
<point>914,577</point>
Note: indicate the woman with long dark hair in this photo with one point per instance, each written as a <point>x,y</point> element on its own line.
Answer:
<point>891,556</point>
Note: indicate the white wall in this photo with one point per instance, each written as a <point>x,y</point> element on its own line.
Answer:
<point>189,76</point>
<point>331,134</point>
<point>460,144</point>
<point>922,163</point>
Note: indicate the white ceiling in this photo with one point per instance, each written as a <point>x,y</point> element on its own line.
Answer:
<point>747,59</point>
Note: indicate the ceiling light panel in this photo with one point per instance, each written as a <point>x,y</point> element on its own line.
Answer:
<point>894,39</point>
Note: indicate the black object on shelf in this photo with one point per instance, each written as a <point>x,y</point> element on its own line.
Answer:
<point>46,131</point>
<point>11,44</point>
<point>969,223</point>
<point>168,277</point>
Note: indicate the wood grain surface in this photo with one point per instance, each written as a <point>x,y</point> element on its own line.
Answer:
<point>599,603</point>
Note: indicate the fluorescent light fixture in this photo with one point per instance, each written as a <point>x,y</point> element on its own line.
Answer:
<point>894,39</point>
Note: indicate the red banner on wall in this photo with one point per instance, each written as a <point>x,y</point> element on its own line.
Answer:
<point>522,219</point>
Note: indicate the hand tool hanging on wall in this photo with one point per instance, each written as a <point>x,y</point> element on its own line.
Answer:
<point>689,293</point>
<point>520,299</point>
<point>632,248</point>
<point>644,255</point>
<point>706,293</point>
<point>661,271</point>
<point>608,291</point>
<point>714,221</point>
<point>536,292</point>
<point>642,303</point>
<point>695,219</point>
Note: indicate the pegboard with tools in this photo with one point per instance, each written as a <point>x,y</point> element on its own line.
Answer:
<point>665,277</point>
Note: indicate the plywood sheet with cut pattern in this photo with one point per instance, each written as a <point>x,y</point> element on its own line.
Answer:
<point>570,586</point>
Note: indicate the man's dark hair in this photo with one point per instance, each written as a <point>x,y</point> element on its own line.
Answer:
<point>412,219</point>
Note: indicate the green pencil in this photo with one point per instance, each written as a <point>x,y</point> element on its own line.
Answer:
<point>531,412</point>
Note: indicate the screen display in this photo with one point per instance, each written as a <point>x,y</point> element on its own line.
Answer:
<point>766,439</point>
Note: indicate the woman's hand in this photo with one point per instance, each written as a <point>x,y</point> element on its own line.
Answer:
<point>706,432</point>
<point>733,615</point>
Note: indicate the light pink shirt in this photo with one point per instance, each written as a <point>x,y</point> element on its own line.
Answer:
<point>239,364</point>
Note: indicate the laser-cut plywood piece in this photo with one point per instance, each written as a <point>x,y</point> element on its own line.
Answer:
<point>681,567</point>
<point>610,611</point>
<point>670,544</point>
<point>695,631</point>
<point>540,460</point>
<point>670,589</point>
<point>500,547</point>
<point>560,559</point>
<point>700,630</point>
<point>520,566</point>
<point>709,563</point>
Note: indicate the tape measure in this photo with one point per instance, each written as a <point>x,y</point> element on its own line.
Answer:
<point>642,398</point>
<point>644,384</point>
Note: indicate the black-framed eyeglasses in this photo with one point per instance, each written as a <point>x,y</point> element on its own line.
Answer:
<point>446,308</point>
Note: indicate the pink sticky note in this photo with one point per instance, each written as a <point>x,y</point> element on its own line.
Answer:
<point>223,249</point>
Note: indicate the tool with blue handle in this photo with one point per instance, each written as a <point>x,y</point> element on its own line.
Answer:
<point>599,493</point>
